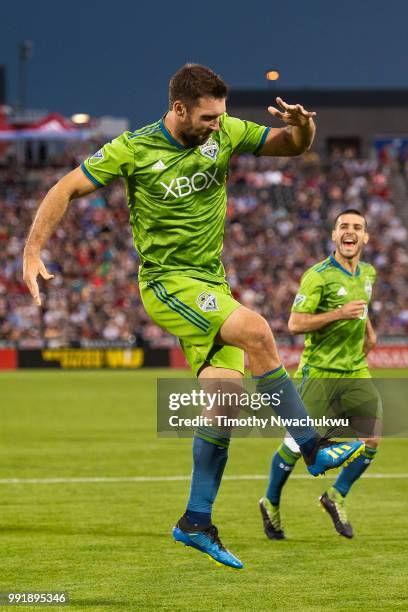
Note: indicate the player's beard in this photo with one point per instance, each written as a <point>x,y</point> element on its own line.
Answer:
<point>193,138</point>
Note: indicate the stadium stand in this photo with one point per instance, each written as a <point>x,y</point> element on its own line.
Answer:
<point>279,217</point>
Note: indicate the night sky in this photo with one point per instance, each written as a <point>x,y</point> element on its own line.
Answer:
<point>115,58</point>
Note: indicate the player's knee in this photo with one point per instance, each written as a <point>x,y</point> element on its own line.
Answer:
<point>371,442</point>
<point>257,334</point>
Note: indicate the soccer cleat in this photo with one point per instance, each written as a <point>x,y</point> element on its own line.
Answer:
<point>271,520</point>
<point>329,454</point>
<point>206,540</point>
<point>335,505</point>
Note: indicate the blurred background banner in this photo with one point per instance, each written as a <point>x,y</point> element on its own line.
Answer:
<point>385,356</point>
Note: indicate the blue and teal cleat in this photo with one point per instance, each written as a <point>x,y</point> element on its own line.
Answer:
<point>329,454</point>
<point>206,540</point>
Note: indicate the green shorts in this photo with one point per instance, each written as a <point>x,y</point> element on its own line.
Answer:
<point>350,394</point>
<point>194,311</point>
<point>307,371</point>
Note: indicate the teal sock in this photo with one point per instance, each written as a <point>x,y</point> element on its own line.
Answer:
<point>209,459</point>
<point>277,383</point>
<point>353,471</point>
<point>283,462</point>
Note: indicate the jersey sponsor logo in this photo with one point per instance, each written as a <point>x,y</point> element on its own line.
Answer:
<point>207,302</point>
<point>210,149</point>
<point>185,185</point>
<point>159,165</point>
<point>96,157</point>
<point>299,299</point>
<point>368,288</point>
<point>342,291</point>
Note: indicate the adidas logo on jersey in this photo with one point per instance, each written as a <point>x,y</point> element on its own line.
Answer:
<point>159,165</point>
<point>342,291</point>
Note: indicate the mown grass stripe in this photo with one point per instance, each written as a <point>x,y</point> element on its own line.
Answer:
<point>182,478</point>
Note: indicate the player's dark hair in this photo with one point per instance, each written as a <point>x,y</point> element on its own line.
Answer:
<point>351,211</point>
<point>193,81</point>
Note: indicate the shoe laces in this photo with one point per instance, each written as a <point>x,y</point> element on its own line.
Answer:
<point>340,504</point>
<point>322,442</point>
<point>275,518</point>
<point>325,441</point>
<point>212,533</point>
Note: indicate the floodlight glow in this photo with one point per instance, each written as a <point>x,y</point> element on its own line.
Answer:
<point>272,75</point>
<point>80,118</point>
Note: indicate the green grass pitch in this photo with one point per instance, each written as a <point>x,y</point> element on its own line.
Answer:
<point>108,543</point>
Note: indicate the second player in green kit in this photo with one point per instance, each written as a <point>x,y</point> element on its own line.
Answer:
<point>331,309</point>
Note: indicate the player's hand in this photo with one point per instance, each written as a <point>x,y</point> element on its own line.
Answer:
<point>291,114</point>
<point>32,267</point>
<point>352,310</point>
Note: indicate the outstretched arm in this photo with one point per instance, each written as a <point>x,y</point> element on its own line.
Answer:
<point>296,137</point>
<point>51,210</point>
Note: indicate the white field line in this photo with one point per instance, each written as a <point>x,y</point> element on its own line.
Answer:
<point>117,479</point>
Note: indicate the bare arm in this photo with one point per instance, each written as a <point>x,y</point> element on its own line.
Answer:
<point>296,137</point>
<point>370,337</point>
<point>303,322</point>
<point>51,210</point>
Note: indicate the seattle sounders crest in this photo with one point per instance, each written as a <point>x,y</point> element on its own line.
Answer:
<point>96,157</point>
<point>210,149</point>
<point>207,302</point>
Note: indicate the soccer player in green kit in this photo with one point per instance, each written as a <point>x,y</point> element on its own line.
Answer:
<point>175,171</point>
<point>331,310</point>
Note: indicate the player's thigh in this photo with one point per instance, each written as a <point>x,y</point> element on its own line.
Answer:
<point>318,390</point>
<point>248,330</point>
<point>361,403</point>
<point>209,373</point>
<point>194,310</point>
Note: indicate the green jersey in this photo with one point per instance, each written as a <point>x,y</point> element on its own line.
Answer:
<point>338,346</point>
<point>176,195</point>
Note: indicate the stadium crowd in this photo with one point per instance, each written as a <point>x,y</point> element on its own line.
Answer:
<point>279,218</point>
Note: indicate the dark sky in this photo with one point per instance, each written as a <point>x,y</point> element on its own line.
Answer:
<point>115,58</point>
